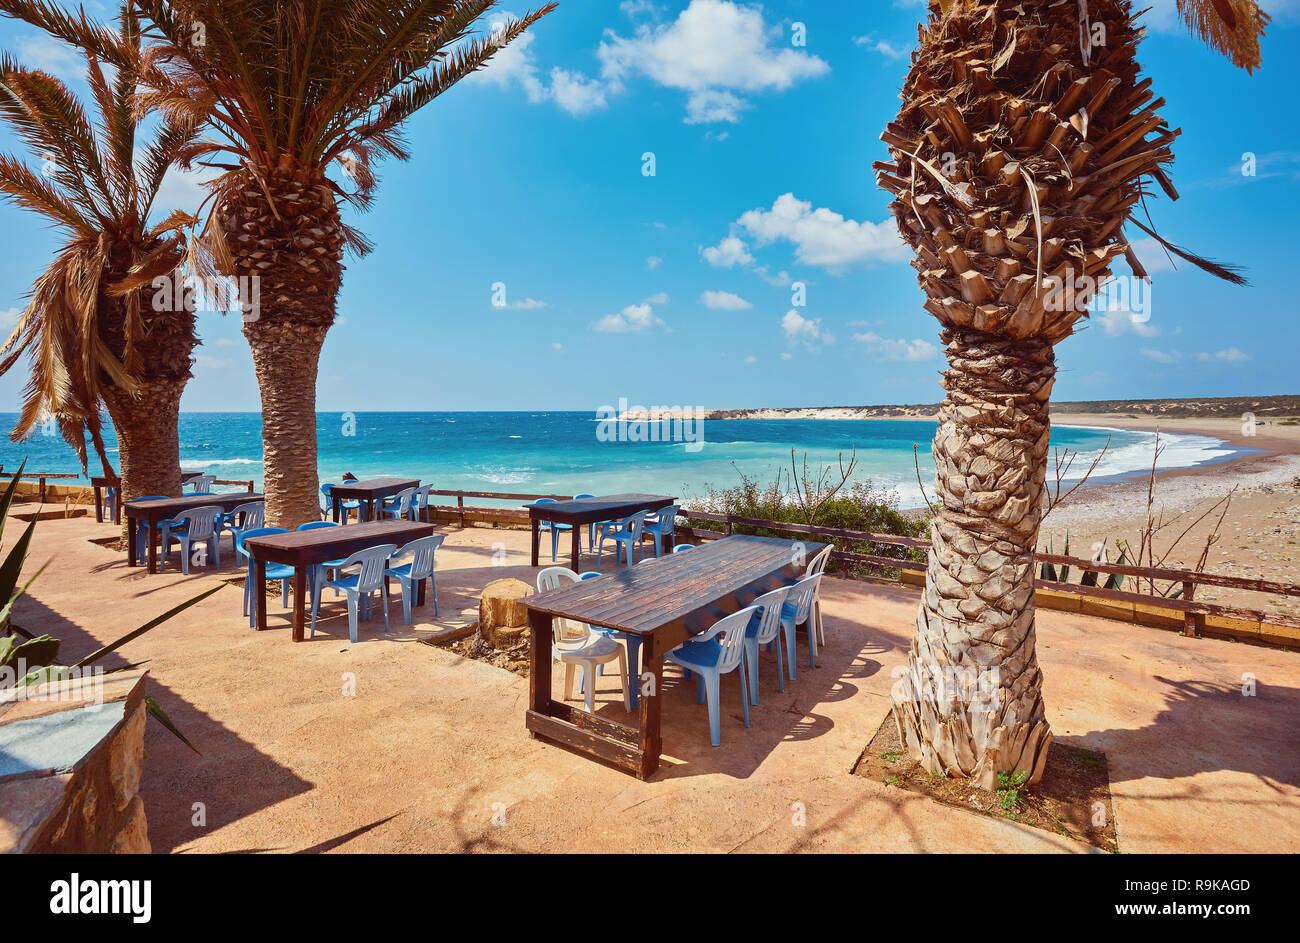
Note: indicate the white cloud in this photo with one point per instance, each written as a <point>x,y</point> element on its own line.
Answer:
<point>58,59</point>
<point>1152,255</point>
<point>557,347</point>
<point>9,320</point>
<point>806,331</point>
<point>515,64</point>
<point>1231,355</point>
<point>883,348</point>
<point>715,51</point>
<point>1119,321</point>
<point>1161,356</point>
<point>821,236</point>
<point>751,359</point>
<point>635,318</point>
<point>885,48</point>
<point>528,304</point>
<point>728,253</point>
<point>576,93</point>
<point>786,356</point>
<point>654,261</point>
<point>724,301</point>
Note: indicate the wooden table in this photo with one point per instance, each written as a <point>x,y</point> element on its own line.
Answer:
<point>663,601</point>
<point>100,482</point>
<point>578,512</point>
<point>372,491</point>
<point>150,513</point>
<point>304,549</point>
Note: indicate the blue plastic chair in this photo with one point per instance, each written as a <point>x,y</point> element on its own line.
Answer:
<point>420,568</point>
<point>142,532</point>
<point>347,506</point>
<point>682,548</point>
<point>763,629</point>
<point>662,526</point>
<point>242,518</point>
<point>315,572</point>
<point>358,586</point>
<point>398,507</point>
<point>711,655</point>
<point>796,611</point>
<point>554,528</point>
<point>274,571</point>
<point>109,506</point>
<point>626,538</point>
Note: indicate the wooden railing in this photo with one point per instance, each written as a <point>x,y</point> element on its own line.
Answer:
<point>39,476</point>
<point>463,512</point>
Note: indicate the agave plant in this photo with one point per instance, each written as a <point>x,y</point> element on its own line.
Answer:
<point>1025,142</point>
<point>90,330</point>
<point>288,91</point>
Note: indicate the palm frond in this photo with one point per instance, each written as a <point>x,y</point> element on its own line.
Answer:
<point>1232,27</point>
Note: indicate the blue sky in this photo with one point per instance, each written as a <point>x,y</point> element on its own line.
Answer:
<point>676,288</point>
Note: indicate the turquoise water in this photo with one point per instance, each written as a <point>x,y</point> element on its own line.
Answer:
<point>560,452</point>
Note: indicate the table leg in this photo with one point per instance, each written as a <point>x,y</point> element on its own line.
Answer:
<point>536,539</point>
<point>577,548</point>
<point>152,552</point>
<point>117,505</point>
<point>132,526</point>
<point>259,590</point>
<point>99,505</point>
<point>652,661</point>
<point>299,600</point>
<point>539,662</point>
<point>334,507</point>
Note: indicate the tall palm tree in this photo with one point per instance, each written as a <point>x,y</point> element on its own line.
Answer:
<point>93,337</point>
<point>288,88</point>
<point>1022,149</point>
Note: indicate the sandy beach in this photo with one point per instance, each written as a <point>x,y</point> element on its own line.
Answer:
<point>1260,535</point>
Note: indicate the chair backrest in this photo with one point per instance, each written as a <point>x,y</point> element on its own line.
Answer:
<point>202,520</point>
<point>818,564</point>
<point>252,514</point>
<point>372,561</point>
<point>593,575</point>
<point>421,498</point>
<point>577,496</point>
<point>255,532</point>
<point>327,489</point>
<point>730,633</point>
<point>404,501</point>
<point>681,548</point>
<point>312,525</point>
<point>544,501</point>
<point>553,577</point>
<point>770,621</point>
<point>667,519</point>
<point>422,548</point>
<point>635,524</point>
<point>802,595</point>
<point>202,483</point>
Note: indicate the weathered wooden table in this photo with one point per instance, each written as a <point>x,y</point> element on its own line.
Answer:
<point>100,482</point>
<point>663,601</point>
<point>578,512</point>
<point>303,549</point>
<point>372,491</point>
<point>149,513</point>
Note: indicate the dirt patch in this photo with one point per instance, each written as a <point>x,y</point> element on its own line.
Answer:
<point>1073,795</point>
<point>514,659</point>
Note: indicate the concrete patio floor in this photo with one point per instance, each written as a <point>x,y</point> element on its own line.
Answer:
<point>431,753</point>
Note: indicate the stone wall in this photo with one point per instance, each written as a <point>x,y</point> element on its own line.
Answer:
<point>70,763</point>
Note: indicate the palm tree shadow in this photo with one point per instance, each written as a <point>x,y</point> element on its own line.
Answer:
<point>1210,727</point>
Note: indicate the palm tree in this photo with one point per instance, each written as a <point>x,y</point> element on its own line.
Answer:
<point>92,335</point>
<point>287,89</point>
<point>1023,146</point>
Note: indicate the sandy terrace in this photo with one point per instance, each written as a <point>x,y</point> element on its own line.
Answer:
<point>433,746</point>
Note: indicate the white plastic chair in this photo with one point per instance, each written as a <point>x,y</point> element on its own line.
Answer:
<point>420,568</point>
<point>796,611</point>
<point>202,484</point>
<point>626,538</point>
<point>420,509</point>
<point>575,645</point>
<point>764,630</point>
<point>818,565</point>
<point>711,655</point>
<point>358,586</point>
<point>189,527</point>
<point>244,517</point>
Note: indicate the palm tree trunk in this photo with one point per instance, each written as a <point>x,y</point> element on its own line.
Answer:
<point>971,701</point>
<point>147,437</point>
<point>286,355</point>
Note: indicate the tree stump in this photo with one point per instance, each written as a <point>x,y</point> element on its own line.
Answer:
<point>502,616</point>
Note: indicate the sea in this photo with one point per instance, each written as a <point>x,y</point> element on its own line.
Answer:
<point>573,452</point>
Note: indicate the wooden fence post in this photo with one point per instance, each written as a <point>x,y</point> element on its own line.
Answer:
<point>1190,619</point>
<point>460,507</point>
